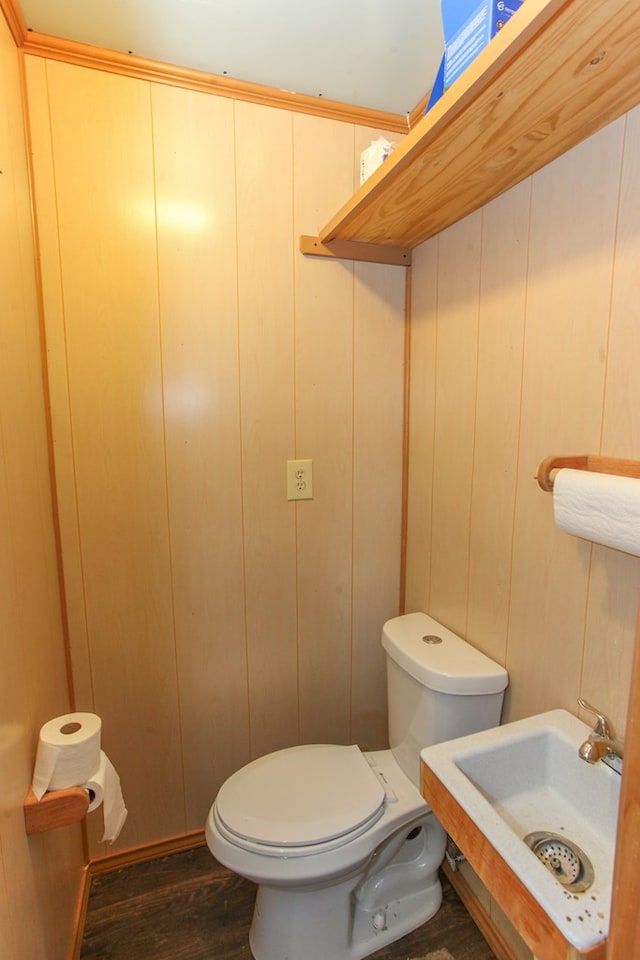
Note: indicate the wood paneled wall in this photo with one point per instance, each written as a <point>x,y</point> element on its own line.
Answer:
<point>40,876</point>
<point>525,343</point>
<point>191,352</point>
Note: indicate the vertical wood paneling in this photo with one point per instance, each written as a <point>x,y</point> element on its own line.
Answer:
<point>377,487</point>
<point>615,577</point>
<point>39,877</point>
<point>192,352</point>
<point>195,196</point>
<point>105,166</point>
<point>571,251</point>
<point>323,152</point>
<point>456,374</point>
<point>421,424</point>
<point>568,267</point>
<point>265,297</point>
<point>505,226</point>
<point>60,414</point>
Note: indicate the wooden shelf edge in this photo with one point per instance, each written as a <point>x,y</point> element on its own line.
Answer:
<point>352,250</point>
<point>531,19</point>
<point>558,71</point>
<point>59,808</point>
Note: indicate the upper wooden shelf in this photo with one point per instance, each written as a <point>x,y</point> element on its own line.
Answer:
<point>557,72</point>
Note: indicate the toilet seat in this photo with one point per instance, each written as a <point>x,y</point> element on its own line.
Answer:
<point>300,800</point>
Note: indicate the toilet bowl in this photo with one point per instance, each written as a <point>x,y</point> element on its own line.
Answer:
<point>335,879</point>
<point>344,849</point>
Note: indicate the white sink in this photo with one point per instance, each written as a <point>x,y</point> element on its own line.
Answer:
<point>527,776</point>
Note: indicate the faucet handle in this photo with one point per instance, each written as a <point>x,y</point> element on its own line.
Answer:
<point>602,726</point>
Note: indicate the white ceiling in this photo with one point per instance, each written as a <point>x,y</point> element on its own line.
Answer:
<point>381,54</point>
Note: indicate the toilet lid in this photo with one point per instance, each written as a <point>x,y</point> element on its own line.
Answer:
<point>301,796</point>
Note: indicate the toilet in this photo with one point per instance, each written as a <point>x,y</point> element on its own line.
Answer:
<point>344,849</point>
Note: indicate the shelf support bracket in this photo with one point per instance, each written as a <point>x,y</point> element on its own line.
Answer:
<point>353,250</point>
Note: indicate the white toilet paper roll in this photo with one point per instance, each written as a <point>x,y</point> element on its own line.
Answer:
<point>68,752</point>
<point>95,784</point>
<point>69,755</point>
<point>114,810</point>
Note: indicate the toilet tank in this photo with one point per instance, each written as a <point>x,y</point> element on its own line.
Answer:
<point>439,687</point>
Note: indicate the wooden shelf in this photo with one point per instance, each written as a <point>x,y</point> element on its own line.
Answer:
<point>556,73</point>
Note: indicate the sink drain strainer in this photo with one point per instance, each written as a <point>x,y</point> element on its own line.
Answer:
<point>567,862</point>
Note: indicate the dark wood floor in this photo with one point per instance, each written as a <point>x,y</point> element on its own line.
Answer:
<point>188,907</point>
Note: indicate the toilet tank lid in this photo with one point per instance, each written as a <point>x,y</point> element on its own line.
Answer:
<point>439,659</point>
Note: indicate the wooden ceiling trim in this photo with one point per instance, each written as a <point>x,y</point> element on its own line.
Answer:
<point>141,68</point>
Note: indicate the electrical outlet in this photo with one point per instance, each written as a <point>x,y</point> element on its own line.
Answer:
<point>299,479</point>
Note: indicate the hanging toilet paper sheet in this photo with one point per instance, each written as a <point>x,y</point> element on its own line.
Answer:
<point>599,507</point>
<point>69,755</point>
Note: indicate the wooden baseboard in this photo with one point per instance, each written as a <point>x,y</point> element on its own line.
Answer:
<point>479,915</point>
<point>149,851</point>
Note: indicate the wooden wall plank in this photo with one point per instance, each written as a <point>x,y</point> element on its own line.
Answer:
<point>323,164</point>
<point>505,227</point>
<point>265,296</point>
<point>195,197</point>
<point>424,293</point>
<point>377,487</point>
<point>457,350</point>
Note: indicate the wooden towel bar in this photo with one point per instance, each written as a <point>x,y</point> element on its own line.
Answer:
<point>585,461</point>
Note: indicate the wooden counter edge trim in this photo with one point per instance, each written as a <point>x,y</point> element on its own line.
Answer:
<point>352,250</point>
<point>59,808</point>
<point>509,892</point>
<point>519,32</point>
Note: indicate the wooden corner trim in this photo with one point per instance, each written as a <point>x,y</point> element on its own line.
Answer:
<point>15,20</point>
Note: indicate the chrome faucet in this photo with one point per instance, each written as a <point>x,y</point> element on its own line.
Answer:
<point>601,744</point>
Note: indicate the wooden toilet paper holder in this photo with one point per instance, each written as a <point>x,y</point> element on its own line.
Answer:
<point>585,461</point>
<point>58,808</point>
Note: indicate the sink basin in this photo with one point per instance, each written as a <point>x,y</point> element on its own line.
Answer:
<point>526,777</point>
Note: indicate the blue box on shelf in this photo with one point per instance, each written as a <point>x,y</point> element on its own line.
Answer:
<point>468,28</point>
